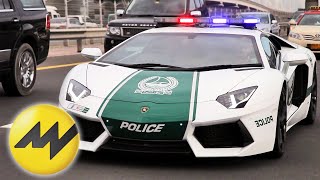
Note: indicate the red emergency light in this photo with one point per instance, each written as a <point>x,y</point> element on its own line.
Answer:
<point>187,20</point>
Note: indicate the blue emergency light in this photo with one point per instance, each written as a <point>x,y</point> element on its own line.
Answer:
<point>248,23</point>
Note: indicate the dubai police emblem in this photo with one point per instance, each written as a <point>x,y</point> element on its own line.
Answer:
<point>157,85</point>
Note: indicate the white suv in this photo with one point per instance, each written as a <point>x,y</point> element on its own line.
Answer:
<point>268,22</point>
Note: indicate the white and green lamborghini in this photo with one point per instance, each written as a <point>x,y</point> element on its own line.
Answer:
<point>213,92</point>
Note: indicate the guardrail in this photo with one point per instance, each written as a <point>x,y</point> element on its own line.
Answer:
<point>77,34</point>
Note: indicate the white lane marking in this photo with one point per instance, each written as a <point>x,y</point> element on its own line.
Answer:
<point>8,126</point>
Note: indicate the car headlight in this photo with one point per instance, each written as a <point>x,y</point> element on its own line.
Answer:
<point>237,99</point>
<point>295,35</point>
<point>114,30</point>
<point>76,91</point>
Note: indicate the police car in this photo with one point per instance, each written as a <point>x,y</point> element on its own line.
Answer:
<point>176,90</point>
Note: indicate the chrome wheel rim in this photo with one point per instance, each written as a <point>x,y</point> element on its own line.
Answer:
<point>27,69</point>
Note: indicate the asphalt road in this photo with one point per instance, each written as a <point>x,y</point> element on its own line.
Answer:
<point>301,161</point>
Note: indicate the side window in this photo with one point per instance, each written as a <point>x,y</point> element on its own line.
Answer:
<point>32,3</point>
<point>5,5</point>
<point>270,51</point>
<point>74,21</point>
<point>192,5</point>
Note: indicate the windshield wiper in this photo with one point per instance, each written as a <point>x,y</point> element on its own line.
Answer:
<point>230,66</point>
<point>149,65</point>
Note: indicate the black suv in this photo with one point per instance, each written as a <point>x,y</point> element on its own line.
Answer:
<point>140,14</point>
<point>24,43</point>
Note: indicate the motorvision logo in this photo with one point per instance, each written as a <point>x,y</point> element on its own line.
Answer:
<point>157,85</point>
<point>44,140</point>
<point>51,136</point>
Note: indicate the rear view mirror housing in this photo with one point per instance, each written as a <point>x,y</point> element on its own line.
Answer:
<point>296,59</point>
<point>91,53</point>
<point>120,12</point>
<point>196,13</point>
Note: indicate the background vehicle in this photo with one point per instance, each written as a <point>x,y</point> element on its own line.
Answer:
<point>53,12</point>
<point>160,87</point>
<point>61,23</point>
<point>307,31</point>
<point>267,23</point>
<point>139,16</point>
<point>89,23</point>
<point>25,35</point>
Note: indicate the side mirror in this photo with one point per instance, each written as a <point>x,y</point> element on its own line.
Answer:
<point>120,12</point>
<point>91,53</point>
<point>195,13</point>
<point>274,21</point>
<point>296,59</point>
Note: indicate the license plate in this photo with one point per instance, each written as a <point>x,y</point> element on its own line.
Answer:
<point>315,46</point>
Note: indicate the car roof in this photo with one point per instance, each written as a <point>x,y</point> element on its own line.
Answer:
<point>216,30</point>
<point>312,12</point>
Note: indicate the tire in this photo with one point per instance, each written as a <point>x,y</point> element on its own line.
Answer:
<point>311,117</point>
<point>21,78</point>
<point>281,131</point>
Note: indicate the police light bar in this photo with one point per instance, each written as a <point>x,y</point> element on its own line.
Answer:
<point>219,21</point>
<point>187,20</point>
<point>251,21</point>
<point>235,21</point>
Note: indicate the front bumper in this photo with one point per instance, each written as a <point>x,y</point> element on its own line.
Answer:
<point>112,41</point>
<point>235,133</point>
<point>305,43</point>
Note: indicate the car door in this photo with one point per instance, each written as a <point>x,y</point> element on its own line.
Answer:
<point>9,30</point>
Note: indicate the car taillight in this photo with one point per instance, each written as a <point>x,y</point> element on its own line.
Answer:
<point>187,20</point>
<point>48,22</point>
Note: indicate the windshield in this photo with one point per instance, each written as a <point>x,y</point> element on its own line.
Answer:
<point>186,50</point>
<point>296,15</point>
<point>264,18</point>
<point>156,7</point>
<point>310,20</point>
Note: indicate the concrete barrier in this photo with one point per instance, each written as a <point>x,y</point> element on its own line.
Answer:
<point>77,34</point>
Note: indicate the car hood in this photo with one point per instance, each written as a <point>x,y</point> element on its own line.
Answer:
<point>137,21</point>
<point>170,87</point>
<point>306,30</point>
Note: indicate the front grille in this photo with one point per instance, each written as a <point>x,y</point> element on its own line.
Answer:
<point>229,135</point>
<point>128,32</point>
<point>311,37</point>
<point>89,130</point>
<point>308,37</point>
<point>120,144</point>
